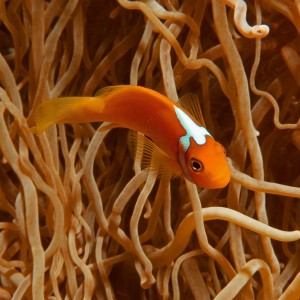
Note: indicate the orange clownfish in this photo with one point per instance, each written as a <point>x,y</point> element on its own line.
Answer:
<point>183,141</point>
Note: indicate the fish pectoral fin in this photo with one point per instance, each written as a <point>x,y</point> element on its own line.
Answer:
<point>108,126</point>
<point>149,155</point>
<point>190,103</point>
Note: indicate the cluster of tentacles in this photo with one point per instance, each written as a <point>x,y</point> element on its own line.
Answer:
<point>81,219</point>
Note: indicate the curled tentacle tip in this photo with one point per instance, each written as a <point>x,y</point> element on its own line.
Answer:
<point>147,214</point>
<point>147,282</point>
<point>260,31</point>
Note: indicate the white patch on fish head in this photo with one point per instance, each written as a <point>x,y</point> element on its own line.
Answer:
<point>193,130</point>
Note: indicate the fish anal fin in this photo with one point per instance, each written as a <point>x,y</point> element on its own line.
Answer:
<point>190,103</point>
<point>150,155</point>
<point>108,126</point>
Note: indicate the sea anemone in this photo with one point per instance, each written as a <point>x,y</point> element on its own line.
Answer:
<point>81,218</point>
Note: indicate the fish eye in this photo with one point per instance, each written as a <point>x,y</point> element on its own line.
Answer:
<point>196,165</point>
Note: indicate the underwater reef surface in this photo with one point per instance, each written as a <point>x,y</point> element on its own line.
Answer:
<point>82,218</point>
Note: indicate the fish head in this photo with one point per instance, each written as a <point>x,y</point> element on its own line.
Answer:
<point>205,165</point>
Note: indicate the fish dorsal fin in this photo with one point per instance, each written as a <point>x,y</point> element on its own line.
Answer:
<point>190,103</point>
<point>108,89</point>
<point>150,155</point>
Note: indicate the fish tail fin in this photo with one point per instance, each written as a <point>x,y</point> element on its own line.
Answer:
<point>64,110</point>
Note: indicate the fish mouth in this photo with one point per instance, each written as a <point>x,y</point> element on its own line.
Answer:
<point>224,180</point>
<point>219,182</point>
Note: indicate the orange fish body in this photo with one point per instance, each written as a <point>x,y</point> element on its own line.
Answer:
<point>187,144</point>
